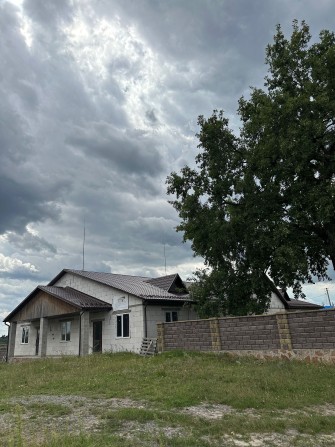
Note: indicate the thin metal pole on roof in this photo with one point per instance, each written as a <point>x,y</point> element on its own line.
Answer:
<point>165,259</point>
<point>84,247</point>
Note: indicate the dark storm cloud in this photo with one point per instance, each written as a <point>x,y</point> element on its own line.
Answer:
<point>39,107</point>
<point>127,154</point>
<point>99,103</point>
<point>30,243</point>
<point>21,203</point>
<point>23,197</point>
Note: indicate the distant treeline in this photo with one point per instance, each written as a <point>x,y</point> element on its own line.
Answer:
<point>3,339</point>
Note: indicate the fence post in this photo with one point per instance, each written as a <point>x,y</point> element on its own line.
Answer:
<point>215,334</point>
<point>284,332</point>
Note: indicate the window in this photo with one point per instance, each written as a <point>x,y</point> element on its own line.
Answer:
<point>25,335</point>
<point>66,330</point>
<point>172,315</point>
<point>122,325</point>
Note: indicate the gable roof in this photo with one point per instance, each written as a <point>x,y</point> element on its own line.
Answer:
<point>139,286</point>
<point>171,283</point>
<point>292,304</point>
<point>77,299</point>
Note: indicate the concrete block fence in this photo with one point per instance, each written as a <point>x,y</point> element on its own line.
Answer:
<point>307,335</point>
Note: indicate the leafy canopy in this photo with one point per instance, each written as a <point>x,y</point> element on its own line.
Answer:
<point>259,206</point>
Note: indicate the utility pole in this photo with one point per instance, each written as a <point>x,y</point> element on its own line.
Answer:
<point>328,296</point>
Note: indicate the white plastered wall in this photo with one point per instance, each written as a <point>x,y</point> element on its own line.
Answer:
<point>25,349</point>
<point>121,302</point>
<point>275,305</point>
<point>110,341</point>
<point>156,314</point>
<point>57,347</point>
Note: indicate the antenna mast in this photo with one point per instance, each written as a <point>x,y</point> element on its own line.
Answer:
<point>84,247</point>
<point>164,259</point>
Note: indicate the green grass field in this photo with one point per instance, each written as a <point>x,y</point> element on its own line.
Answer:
<point>173,399</point>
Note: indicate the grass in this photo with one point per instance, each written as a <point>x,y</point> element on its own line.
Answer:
<point>265,397</point>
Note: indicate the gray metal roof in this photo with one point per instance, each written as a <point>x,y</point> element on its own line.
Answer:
<point>299,304</point>
<point>291,303</point>
<point>66,294</point>
<point>164,282</point>
<point>135,285</point>
<point>76,298</point>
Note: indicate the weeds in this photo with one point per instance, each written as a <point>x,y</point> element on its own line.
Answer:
<point>262,398</point>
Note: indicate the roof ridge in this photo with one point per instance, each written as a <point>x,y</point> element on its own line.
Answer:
<point>139,286</point>
<point>106,273</point>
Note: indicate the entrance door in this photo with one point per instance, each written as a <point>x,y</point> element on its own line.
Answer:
<point>97,336</point>
<point>37,342</point>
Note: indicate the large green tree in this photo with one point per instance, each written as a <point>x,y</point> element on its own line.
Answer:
<point>259,207</point>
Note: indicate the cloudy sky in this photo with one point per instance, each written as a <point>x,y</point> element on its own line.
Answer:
<point>99,103</point>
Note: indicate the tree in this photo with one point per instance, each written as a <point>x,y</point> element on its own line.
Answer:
<point>259,207</point>
<point>3,339</point>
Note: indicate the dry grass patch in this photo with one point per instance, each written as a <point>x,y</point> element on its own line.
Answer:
<point>172,400</point>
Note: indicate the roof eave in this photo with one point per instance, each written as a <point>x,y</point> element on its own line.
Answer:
<point>305,307</point>
<point>20,305</point>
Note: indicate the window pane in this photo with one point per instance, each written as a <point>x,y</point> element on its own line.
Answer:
<point>63,330</point>
<point>118,326</point>
<point>126,325</point>
<point>68,330</point>
<point>174,316</point>
<point>25,335</point>
<point>167,317</point>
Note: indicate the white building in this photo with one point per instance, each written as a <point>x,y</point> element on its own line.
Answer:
<point>82,312</point>
<point>281,302</point>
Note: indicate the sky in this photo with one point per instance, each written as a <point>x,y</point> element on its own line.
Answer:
<point>99,104</point>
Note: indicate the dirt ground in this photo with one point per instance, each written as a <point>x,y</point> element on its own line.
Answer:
<point>75,414</point>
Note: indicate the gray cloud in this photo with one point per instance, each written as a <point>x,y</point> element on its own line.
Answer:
<point>99,103</point>
<point>48,13</point>
<point>28,242</point>
<point>125,153</point>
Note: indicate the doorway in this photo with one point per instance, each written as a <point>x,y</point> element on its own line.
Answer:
<point>97,336</point>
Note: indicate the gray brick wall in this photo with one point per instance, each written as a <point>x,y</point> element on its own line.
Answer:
<point>249,333</point>
<point>189,335</point>
<point>308,330</point>
<point>312,330</point>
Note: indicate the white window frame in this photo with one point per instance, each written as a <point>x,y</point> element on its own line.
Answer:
<point>122,327</point>
<point>24,335</point>
<point>65,331</point>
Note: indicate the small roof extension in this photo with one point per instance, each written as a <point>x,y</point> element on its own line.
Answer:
<point>71,296</point>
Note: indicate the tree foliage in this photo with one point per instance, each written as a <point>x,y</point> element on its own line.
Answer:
<point>259,207</point>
